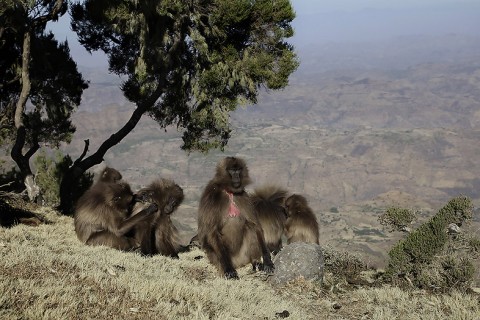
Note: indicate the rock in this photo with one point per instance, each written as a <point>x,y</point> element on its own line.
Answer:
<point>297,260</point>
<point>454,229</point>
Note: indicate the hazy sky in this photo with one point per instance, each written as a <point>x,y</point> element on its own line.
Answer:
<point>367,20</point>
<point>320,21</point>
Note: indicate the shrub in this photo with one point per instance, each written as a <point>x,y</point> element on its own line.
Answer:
<point>474,244</point>
<point>397,219</point>
<point>50,171</point>
<point>413,257</point>
<point>341,266</point>
<point>446,273</point>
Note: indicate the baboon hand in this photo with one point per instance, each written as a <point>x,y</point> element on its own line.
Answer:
<point>268,268</point>
<point>232,274</point>
<point>152,208</point>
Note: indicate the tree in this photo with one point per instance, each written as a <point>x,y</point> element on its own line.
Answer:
<point>186,63</point>
<point>40,86</point>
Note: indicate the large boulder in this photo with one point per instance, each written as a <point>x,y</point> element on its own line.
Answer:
<point>296,260</point>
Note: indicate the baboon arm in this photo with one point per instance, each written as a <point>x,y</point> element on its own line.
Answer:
<point>128,224</point>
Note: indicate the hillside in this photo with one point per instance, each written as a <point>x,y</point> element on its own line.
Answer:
<point>46,273</point>
<point>354,142</point>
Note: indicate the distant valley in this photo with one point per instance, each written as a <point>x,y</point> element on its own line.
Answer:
<point>353,139</point>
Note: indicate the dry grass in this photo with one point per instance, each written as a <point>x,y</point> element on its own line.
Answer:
<point>46,273</point>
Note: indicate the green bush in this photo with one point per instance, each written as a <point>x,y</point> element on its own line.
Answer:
<point>413,258</point>
<point>50,171</point>
<point>397,219</point>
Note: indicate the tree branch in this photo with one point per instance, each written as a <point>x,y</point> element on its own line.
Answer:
<point>85,150</point>
<point>53,15</point>
<point>115,138</point>
<point>32,151</point>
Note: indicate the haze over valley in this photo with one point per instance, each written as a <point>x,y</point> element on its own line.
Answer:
<point>355,136</point>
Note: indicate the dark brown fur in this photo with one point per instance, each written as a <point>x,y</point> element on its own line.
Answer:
<point>102,215</point>
<point>230,241</point>
<point>268,202</point>
<point>158,234</point>
<point>301,224</point>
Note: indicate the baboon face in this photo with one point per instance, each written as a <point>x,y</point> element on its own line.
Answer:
<point>294,204</point>
<point>233,173</point>
<point>175,197</point>
<point>235,176</point>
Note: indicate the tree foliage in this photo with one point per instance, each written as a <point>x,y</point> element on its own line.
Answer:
<point>185,63</point>
<point>194,61</point>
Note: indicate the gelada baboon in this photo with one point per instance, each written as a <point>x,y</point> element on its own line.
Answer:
<point>102,215</point>
<point>301,224</point>
<point>158,234</point>
<point>228,229</point>
<point>268,202</point>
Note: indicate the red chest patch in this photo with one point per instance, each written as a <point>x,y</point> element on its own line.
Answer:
<point>233,210</point>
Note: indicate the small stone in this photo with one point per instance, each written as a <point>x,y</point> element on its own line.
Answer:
<point>454,229</point>
<point>283,314</point>
<point>336,305</point>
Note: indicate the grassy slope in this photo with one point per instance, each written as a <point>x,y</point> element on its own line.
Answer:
<point>45,272</point>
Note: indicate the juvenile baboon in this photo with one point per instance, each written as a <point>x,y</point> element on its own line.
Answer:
<point>158,234</point>
<point>301,224</point>
<point>268,202</point>
<point>228,229</point>
<point>102,215</point>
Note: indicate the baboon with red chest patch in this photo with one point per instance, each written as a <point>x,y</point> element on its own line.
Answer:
<point>228,229</point>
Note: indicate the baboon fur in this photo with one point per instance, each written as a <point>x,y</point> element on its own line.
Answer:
<point>301,224</point>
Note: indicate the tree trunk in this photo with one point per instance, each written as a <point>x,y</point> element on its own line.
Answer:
<point>23,161</point>
<point>26,85</point>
